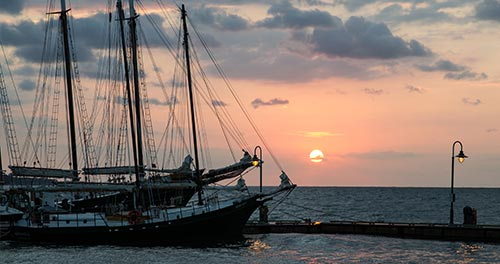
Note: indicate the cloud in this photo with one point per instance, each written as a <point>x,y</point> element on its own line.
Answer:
<point>455,71</point>
<point>488,10</point>
<point>28,37</point>
<point>120,100</point>
<point>27,85</point>
<point>373,91</point>
<point>210,40</point>
<point>471,102</point>
<point>356,38</point>
<point>89,34</point>
<point>232,22</point>
<point>284,15</point>
<point>315,2</point>
<point>414,89</point>
<point>23,33</point>
<point>25,70</point>
<point>427,12</point>
<point>151,101</point>
<point>218,19</point>
<point>267,64</point>
<point>406,10</point>
<point>218,103</point>
<point>258,102</point>
<point>359,38</point>
<point>441,65</point>
<point>154,101</point>
<point>354,5</point>
<point>466,75</point>
<point>12,6</point>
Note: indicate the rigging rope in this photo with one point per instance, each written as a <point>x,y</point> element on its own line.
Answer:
<point>39,90</point>
<point>238,100</point>
<point>11,135</point>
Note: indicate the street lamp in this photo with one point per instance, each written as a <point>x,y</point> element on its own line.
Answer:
<point>461,158</point>
<point>257,161</point>
<point>1,167</point>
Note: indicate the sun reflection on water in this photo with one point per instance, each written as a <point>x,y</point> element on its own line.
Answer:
<point>467,252</point>
<point>257,245</point>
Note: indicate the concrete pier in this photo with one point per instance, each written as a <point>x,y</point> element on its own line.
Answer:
<point>479,233</point>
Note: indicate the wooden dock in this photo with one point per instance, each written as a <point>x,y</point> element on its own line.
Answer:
<point>478,233</point>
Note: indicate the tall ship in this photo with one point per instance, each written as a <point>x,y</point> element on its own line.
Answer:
<point>118,185</point>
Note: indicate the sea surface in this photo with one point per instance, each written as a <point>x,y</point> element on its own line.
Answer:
<point>417,205</point>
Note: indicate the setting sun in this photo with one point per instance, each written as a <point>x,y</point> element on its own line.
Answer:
<point>316,156</point>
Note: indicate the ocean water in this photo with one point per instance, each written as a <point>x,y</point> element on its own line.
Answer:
<point>418,205</point>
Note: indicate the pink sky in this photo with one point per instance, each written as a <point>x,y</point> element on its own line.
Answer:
<point>383,88</point>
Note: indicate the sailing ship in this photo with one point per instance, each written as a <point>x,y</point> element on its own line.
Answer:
<point>154,206</point>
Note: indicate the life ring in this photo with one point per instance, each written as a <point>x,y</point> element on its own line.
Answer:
<point>3,199</point>
<point>134,217</point>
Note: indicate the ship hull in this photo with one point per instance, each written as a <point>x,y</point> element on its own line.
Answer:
<point>221,225</point>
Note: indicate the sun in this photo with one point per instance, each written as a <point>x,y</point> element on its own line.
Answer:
<point>316,156</point>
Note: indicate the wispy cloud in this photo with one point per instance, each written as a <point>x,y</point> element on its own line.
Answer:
<point>259,102</point>
<point>441,65</point>
<point>473,102</point>
<point>466,75</point>
<point>414,89</point>
<point>154,101</point>
<point>455,71</point>
<point>218,103</point>
<point>27,85</point>
<point>373,91</point>
<point>317,134</point>
<point>430,12</point>
<point>151,101</point>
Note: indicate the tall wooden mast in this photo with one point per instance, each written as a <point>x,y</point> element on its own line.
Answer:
<point>137,88</point>
<point>69,87</point>
<point>129,93</point>
<point>191,102</point>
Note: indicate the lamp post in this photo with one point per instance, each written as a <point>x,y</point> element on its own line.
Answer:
<point>1,167</point>
<point>461,158</point>
<point>257,161</point>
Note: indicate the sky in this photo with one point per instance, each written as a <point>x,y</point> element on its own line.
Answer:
<point>382,88</point>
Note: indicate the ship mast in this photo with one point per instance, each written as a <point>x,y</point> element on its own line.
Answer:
<point>137,95</point>
<point>191,102</point>
<point>69,87</point>
<point>129,93</point>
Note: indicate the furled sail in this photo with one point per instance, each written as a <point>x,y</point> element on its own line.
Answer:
<point>43,172</point>
<point>85,187</point>
<point>184,172</point>
<point>228,172</point>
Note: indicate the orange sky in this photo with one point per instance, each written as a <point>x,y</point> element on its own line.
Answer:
<point>383,88</point>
